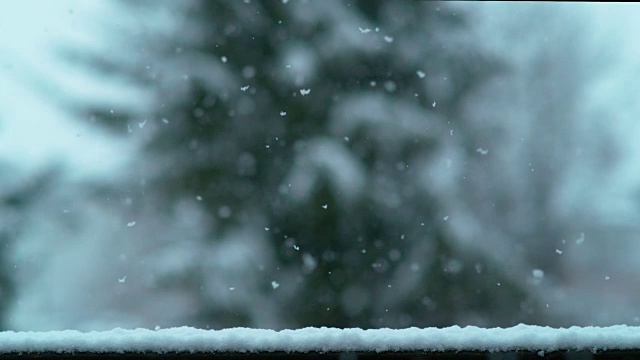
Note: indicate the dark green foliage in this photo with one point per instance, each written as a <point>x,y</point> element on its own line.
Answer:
<point>381,255</point>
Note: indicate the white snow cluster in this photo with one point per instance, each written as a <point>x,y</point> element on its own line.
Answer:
<point>186,339</point>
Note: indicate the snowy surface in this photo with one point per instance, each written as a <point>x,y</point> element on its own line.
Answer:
<point>185,339</point>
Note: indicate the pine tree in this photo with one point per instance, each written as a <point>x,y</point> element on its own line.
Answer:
<point>335,131</point>
<point>18,193</point>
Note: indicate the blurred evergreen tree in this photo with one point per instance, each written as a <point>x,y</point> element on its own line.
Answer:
<point>7,236</point>
<point>17,194</point>
<point>12,201</point>
<point>333,126</point>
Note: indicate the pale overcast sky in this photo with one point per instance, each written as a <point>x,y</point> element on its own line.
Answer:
<point>34,131</point>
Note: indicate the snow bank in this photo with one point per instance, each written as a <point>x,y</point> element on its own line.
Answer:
<point>185,339</point>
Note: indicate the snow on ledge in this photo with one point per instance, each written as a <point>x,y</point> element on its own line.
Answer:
<point>185,339</point>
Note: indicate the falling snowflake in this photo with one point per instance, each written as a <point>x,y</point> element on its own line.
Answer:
<point>421,74</point>
<point>245,88</point>
<point>131,224</point>
<point>305,91</point>
<point>364,31</point>
<point>274,284</point>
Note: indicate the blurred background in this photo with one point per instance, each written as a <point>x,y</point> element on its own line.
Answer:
<point>282,164</point>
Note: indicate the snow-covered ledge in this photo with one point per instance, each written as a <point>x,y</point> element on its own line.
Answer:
<point>243,340</point>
